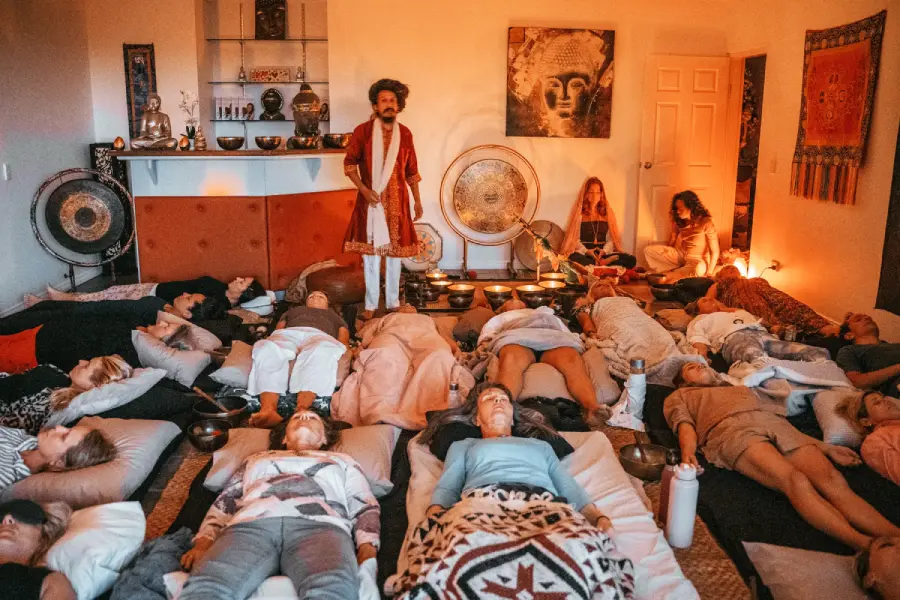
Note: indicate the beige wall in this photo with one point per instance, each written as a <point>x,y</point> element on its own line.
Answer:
<point>831,254</point>
<point>453,57</point>
<point>170,26</point>
<point>46,124</point>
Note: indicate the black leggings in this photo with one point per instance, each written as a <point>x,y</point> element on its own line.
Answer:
<point>621,259</point>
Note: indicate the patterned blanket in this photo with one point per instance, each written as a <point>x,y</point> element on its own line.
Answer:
<point>499,542</point>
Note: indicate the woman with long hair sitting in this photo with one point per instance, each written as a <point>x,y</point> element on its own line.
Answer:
<point>28,399</point>
<point>693,247</point>
<point>27,530</point>
<point>593,236</point>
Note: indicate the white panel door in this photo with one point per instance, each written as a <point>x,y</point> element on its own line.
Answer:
<point>682,141</point>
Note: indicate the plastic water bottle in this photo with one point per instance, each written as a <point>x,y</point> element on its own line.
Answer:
<point>453,398</point>
<point>636,387</point>
<point>682,506</point>
<point>665,485</point>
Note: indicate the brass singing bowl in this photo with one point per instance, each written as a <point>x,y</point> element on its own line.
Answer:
<point>497,291</point>
<point>538,300</point>
<point>440,286</point>
<point>336,140</point>
<point>432,277</point>
<point>268,142</point>
<point>552,286</point>
<point>303,142</point>
<point>460,301</point>
<point>645,461</point>
<point>527,290</point>
<point>230,142</point>
<point>461,289</point>
<point>553,276</point>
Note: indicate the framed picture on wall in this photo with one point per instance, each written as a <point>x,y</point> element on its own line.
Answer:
<point>559,82</point>
<point>140,82</point>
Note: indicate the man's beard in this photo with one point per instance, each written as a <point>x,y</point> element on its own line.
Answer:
<point>388,119</point>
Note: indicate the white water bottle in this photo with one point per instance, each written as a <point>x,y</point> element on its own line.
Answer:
<point>453,398</point>
<point>682,507</point>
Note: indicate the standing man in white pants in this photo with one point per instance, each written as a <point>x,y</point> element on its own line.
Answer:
<point>381,163</point>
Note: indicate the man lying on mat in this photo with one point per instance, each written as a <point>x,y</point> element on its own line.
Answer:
<point>870,363</point>
<point>737,430</point>
<point>301,356</point>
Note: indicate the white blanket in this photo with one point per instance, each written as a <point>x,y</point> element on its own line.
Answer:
<point>625,332</point>
<point>793,381</point>
<point>595,466</point>
<point>403,371</point>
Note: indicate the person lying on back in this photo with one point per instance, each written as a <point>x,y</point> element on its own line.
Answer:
<point>236,292</point>
<point>870,363</point>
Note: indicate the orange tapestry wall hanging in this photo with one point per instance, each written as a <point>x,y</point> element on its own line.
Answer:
<point>840,68</point>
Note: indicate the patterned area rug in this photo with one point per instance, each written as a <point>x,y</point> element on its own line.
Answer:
<point>174,481</point>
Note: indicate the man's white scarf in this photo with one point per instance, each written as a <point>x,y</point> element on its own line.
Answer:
<point>382,167</point>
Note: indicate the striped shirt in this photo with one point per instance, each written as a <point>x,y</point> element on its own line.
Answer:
<point>12,443</point>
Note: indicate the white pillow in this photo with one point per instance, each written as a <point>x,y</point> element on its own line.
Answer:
<point>99,542</point>
<point>198,338</point>
<point>606,388</point>
<point>835,428</point>
<point>181,365</point>
<point>794,574</point>
<point>235,371</point>
<point>540,379</point>
<point>372,446</point>
<point>107,397</point>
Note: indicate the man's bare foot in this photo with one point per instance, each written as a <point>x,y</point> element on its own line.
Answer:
<point>31,300</point>
<point>305,400</point>
<point>265,420</point>
<point>55,294</point>
<point>366,315</point>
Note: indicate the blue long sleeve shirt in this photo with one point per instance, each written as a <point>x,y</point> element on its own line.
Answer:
<point>473,463</point>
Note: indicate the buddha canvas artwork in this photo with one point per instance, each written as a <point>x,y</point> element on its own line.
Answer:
<point>271,19</point>
<point>559,82</point>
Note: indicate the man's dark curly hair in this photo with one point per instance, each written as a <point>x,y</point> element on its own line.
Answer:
<point>692,203</point>
<point>390,85</point>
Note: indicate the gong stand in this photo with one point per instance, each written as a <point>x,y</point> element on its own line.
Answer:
<point>509,266</point>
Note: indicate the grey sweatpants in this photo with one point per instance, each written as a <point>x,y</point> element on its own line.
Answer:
<point>748,345</point>
<point>319,559</point>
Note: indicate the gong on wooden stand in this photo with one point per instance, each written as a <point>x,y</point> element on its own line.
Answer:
<point>79,213</point>
<point>484,193</point>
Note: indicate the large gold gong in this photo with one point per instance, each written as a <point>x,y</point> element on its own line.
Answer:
<point>490,196</point>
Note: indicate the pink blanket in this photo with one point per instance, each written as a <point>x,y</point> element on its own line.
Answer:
<point>403,371</point>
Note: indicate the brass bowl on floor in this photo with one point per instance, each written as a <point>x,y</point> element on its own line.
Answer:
<point>553,277</point>
<point>236,408</point>
<point>552,286</point>
<point>537,300</point>
<point>441,285</point>
<point>527,290</point>
<point>336,140</point>
<point>209,435</point>
<point>230,143</point>
<point>497,295</point>
<point>656,278</point>
<point>664,291</point>
<point>460,301</point>
<point>461,289</point>
<point>567,298</point>
<point>645,462</point>
<point>431,294</point>
<point>267,142</point>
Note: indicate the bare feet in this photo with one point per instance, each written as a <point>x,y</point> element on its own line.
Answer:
<point>305,400</point>
<point>55,294</point>
<point>31,300</point>
<point>265,419</point>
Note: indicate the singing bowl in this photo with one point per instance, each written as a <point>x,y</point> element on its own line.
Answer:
<point>432,277</point>
<point>209,435</point>
<point>497,291</point>
<point>268,142</point>
<point>235,405</point>
<point>536,300</point>
<point>230,142</point>
<point>664,291</point>
<point>553,276</point>
<point>526,290</point>
<point>652,465</point>
<point>440,286</point>
<point>431,294</point>
<point>415,286</point>
<point>462,289</point>
<point>552,286</point>
<point>336,140</point>
<point>656,278</point>
<point>460,301</point>
<point>303,142</point>
<point>567,298</point>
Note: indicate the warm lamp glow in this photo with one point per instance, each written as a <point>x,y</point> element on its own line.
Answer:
<point>752,272</point>
<point>741,265</point>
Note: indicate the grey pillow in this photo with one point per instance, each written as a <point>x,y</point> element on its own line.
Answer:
<point>835,428</point>
<point>181,365</point>
<point>140,444</point>
<point>236,369</point>
<point>542,380</point>
<point>795,574</point>
<point>198,338</point>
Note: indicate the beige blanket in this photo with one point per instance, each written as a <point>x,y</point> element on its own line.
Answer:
<point>403,371</point>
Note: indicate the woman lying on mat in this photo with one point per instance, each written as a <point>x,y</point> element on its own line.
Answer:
<point>877,417</point>
<point>28,399</point>
<point>193,307</point>
<point>878,568</point>
<point>55,449</point>
<point>773,306</point>
<point>504,502</point>
<point>593,236</point>
<point>239,291</point>
<point>737,431</point>
<point>301,356</point>
<point>27,530</point>
<point>304,512</point>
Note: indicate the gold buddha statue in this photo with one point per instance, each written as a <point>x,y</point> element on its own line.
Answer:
<point>156,129</point>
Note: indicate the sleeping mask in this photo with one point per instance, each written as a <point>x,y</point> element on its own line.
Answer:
<point>23,511</point>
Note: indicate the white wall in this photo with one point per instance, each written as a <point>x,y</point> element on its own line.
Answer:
<point>453,57</point>
<point>831,254</point>
<point>170,26</point>
<point>46,123</point>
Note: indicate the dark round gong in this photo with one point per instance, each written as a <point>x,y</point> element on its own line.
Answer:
<point>85,216</point>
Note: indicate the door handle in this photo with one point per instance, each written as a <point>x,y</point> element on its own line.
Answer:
<point>647,165</point>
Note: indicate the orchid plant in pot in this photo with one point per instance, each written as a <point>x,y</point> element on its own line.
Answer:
<point>188,106</point>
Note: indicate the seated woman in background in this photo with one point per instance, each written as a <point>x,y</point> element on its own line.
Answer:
<point>508,490</point>
<point>27,530</point>
<point>306,512</point>
<point>693,247</point>
<point>28,399</point>
<point>301,357</point>
<point>240,290</point>
<point>773,306</point>
<point>877,417</point>
<point>55,449</point>
<point>593,236</point>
